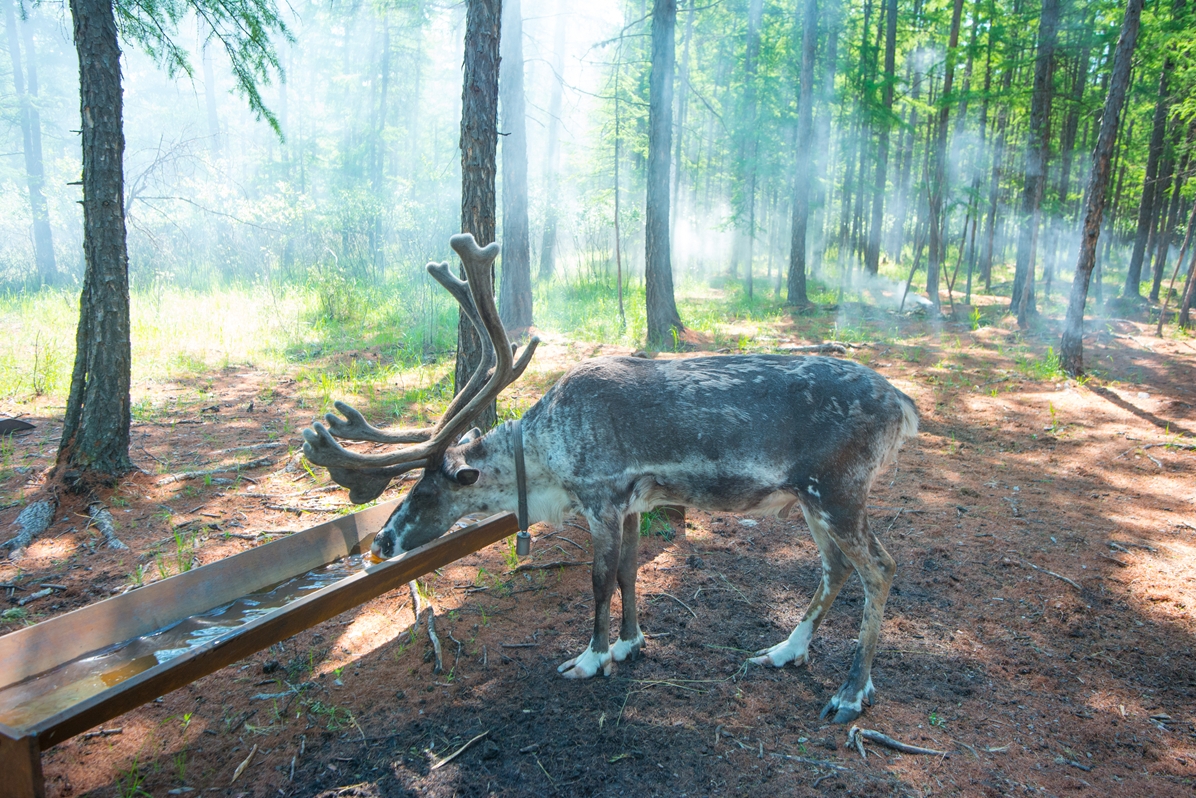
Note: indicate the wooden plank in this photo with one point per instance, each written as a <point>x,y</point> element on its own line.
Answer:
<point>270,629</point>
<point>20,765</point>
<point>40,648</point>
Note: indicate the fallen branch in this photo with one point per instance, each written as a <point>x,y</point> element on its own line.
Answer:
<point>1073,583</point>
<point>35,596</point>
<point>441,763</point>
<point>823,348</point>
<point>241,767</point>
<point>103,732</point>
<point>438,667</point>
<point>547,566</point>
<point>857,735</point>
<point>260,462</point>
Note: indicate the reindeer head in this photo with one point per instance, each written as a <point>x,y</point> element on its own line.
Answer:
<point>438,450</point>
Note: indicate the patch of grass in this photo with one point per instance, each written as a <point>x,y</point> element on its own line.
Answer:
<point>1042,368</point>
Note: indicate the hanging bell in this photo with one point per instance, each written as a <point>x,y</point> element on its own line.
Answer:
<point>523,543</point>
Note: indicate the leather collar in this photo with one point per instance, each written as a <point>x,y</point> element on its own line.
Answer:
<point>520,473</point>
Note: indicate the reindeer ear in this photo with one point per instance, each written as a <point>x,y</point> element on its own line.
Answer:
<point>455,469</point>
<point>464,474</point>
<point>473,434</point>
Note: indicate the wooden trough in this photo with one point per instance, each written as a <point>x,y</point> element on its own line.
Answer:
<point>44,706</point>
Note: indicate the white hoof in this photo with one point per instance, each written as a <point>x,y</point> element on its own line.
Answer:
<point>782,654</point>
<point>622,649</point>
<point>587,665</point>
<point>795,649</point>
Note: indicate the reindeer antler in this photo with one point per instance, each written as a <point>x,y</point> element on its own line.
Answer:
<point>368,475</point>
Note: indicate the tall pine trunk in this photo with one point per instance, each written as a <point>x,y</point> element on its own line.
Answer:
<point>1146,207</point>
<point>1071,348</point>
<point>663,320</point>
<point>479,144</point>
<point>552,156</point>
<point>801,184</point>
<point>939,185</point>
<point>95,435</point>
<point>752,138</point>
<point>872,259</point>
<point>1022,299</point>
<point>515,288</point>
<point>25,84</point>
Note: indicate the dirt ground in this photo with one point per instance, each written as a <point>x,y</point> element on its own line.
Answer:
<point>1039,631</point>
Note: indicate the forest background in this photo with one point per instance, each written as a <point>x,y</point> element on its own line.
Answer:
<point>327,222</point>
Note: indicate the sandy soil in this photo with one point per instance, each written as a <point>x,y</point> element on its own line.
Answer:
<point>1040,627</point>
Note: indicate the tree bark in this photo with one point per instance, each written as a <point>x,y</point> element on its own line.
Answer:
<point>682,114</point>
<point>752,138</point>
<point>1171,218</point>
<point>479,144</point>
<point>939,186</point>
<point>1146,208</point>
<point>1022,299</point>
<point>1071,347</point>
<point>552,156</point>
<point>663,320</point>
<point>872,257</point>
<point>801,184</point>
<point>515,288</point>
<point>95,435</point>
<point>31,136</point>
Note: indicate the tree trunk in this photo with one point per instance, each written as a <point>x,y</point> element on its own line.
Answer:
<point>801,188</point>
<point>1022,299</point>
<point>1171,218</point>
<point>515,288</point>
<point>682,113</point>
<point>479,143</point>
<point>872,259</point>
<point>1071,348</point>
<point>548,241</point>
<point>663,320</point>
<point>939,186</point>
<point>1146,208</point>
<point>95,435</point>
<point>31,135</point>
<point>752,138</point>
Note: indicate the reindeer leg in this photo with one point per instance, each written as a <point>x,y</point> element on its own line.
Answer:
<point>835,570</point>
<point>631,639</point>
<point>876,569</point>
<point>605,532</point>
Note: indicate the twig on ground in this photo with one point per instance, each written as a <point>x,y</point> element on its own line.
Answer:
<point>34,596</point>
<point>679,601</point>
<point>562,537</point>
<point>104,732</point>
<point>856,735</point>
<point>241,767</point>
<point>441,763</point>
<point>1071,582</point>
<point>1113,560</point>
<point>530,566</point>
<point>805,760</point>
<point>828,347</point>
<point>260,462</point>
<point>518,645</point>
<point>438,666</point>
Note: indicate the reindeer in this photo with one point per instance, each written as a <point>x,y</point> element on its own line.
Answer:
<point>618,436</point>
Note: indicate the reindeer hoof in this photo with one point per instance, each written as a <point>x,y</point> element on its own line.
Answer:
<point>587,665</point>
<point>780,655</point>
<point>848,703</point>
<point>628,650</point>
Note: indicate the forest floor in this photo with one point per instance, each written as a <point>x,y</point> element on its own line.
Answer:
<point>1040,628</point>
